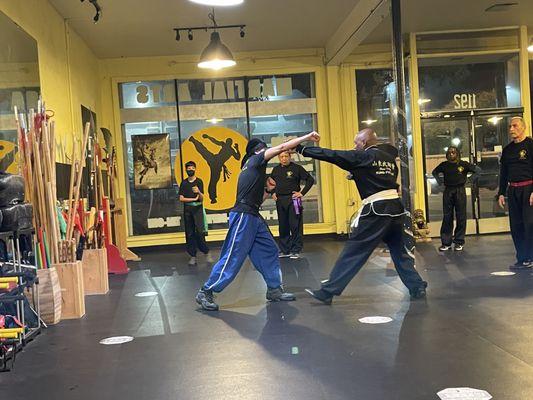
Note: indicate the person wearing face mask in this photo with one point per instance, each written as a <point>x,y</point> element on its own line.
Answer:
<point>381,217</point>
<point>453,173</point>
<point>191,194</point>
<point>288,197</point>
<point>516,181</point>
<point>248,233</point>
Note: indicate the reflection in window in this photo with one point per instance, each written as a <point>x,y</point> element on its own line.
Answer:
<point>451,84</point>
<point>374,91</point>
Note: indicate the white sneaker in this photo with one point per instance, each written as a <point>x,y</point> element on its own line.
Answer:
<point>192,261</point>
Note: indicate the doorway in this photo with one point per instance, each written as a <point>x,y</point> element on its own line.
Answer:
<point>480,136</point>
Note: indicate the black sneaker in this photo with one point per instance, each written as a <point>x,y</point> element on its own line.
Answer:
<point>295,256</point>
<point>320,295</point>
<point>458,247</point>
<point>445,248</point>
<point>278,294</point>
<point>418,293</point>
<point>206,299</point>
<point>520,265</point>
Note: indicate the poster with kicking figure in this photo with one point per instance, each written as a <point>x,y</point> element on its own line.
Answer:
<point>151,161</point>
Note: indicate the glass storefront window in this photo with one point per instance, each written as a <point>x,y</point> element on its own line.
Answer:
<point>374,88</point>
<point>476,82</point>
<point>216,119</point>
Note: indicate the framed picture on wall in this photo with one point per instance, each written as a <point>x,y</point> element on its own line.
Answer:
<point>151,161</point>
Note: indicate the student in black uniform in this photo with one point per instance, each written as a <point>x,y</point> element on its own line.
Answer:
<point>288,196</point>
<point>380,218</point>
<point>455,172</point>
<point>191,194</point>
<point>248,233</point>
<point>516,180</point>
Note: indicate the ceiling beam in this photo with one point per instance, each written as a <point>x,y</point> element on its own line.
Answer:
<point>362,20</point>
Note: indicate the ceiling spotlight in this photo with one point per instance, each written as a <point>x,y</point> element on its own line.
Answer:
<point>369,121</point>
<point>216,55</point>
<point>190,35</point>
<point>530,47</point>
<point>423,101</point>
<point>178,37</point>
<point>242,32</point>
<point>216,3</point>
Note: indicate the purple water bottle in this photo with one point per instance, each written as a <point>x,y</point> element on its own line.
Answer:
<point>297,203</point>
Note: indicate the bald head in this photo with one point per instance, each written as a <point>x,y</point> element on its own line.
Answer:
<point>365,138</point>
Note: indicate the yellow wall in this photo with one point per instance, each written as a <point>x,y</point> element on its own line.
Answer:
<point>68,69</point>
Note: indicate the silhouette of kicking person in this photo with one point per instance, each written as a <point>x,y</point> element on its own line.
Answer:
<point>217,161</point>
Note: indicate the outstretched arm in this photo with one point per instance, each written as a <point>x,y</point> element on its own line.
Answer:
<point>291,144</point>
<point>345,159</point>
<point>212,139</point>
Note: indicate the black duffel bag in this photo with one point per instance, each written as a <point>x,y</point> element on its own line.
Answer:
<point>17,217</point>
<point>11,189</point>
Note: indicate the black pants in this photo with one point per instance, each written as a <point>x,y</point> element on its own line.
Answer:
<point>195,239</point>
<point>521,218</point>
<point>371,230</point>
<point>291,226</point>
<point>453,199</point>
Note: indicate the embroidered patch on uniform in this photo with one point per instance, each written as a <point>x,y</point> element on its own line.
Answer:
<point>289,174</point>
<point>460,168</point>
<point>523,154</point>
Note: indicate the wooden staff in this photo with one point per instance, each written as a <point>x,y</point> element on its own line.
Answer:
<point>78,182</point>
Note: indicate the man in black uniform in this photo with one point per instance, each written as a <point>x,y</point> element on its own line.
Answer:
<point>248,233</point>
<point>191,194</point>
<point>455,172</point>
<point>516,180</point>
<point>380,218</point>
<point>288,197</point>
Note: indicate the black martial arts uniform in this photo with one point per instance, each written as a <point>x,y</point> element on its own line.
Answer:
<point>454,199</point>
<point>193,215</point>
<point>291,224</point>
<point>516,180</point>
<point>375,173</point>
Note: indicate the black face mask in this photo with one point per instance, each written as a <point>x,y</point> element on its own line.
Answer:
<point>190,172</point>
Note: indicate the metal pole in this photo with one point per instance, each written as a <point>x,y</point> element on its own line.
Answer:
<point>399,113</point>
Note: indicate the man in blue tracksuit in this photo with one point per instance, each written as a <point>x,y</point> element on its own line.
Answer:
<point>248,233</point>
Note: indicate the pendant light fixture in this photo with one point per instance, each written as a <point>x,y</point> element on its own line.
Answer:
<point>216,55</point>
<point>218,3</point>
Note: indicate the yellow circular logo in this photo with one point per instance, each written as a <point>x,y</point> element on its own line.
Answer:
<point>461,169</point>
<point>9,157</point>
<point>217,152</point>
<point>523,154</point>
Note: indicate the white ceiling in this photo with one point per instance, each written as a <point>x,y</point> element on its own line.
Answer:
<point>145,27</point>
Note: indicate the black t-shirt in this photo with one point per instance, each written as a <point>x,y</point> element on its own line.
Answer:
<point>251,185</point>
<point>455,173</point>
<point>186,188</point>
<point>288,179</point>
<point>516,163</point>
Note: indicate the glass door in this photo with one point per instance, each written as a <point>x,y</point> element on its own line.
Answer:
<point>490,136</point>
<point>439,132</point>
<point>480,136</point>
